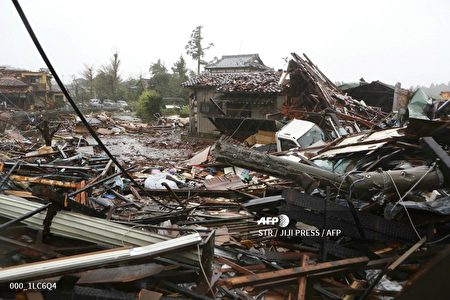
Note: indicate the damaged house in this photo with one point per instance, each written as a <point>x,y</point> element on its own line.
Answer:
<point>14,92</point>
<point>24,89</point>
<point>236,88</point>
<point>378,94</point>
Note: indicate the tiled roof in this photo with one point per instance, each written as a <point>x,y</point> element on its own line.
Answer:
<point>251,82</point>
<point>238,61</point>
<point>11,81</point>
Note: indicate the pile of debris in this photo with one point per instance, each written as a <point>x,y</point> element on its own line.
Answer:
<point>363,213</point>
<point>312,96</point>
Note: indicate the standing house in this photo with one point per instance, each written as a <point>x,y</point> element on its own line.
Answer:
<point>235,90</point>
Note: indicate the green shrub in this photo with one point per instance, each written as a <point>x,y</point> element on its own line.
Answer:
<point>148,104</point>
<point>183,111</point>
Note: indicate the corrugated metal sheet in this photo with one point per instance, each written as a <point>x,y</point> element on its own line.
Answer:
<point>75,263</point>
<point>91,229</point>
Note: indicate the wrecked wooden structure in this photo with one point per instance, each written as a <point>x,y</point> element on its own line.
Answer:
<point>363,215</point>
<point>366,214</point>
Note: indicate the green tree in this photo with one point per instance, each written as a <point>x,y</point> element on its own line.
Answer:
<point>133,88</point>
<point>160,78</point>
<point>148,104</point>
<point>179,68</point>
<point>194,47</point>
<point>180,75</point>
<point>157,68</point>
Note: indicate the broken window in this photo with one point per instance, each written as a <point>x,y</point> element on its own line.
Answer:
<point>287,144</point>
<point>314,135</point>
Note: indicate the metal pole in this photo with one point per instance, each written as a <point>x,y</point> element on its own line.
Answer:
<point>9,173</point>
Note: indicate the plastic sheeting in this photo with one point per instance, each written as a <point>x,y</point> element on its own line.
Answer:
<point>439,206</point>
<point>419,104</point>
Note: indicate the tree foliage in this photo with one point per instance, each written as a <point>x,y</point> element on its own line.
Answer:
<point>160,78</point>
<point>148,104</point>
<point>179,68</point>
<point>169,84</point>
<point>106,82</point>
<point>195,49</point>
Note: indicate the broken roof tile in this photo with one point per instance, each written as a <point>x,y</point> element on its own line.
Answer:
<point>249,82</point>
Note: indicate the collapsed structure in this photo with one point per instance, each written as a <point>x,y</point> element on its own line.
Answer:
<point>24,89</point>
<point>362,214</point>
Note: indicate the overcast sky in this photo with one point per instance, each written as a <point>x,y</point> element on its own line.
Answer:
<point>406,41</point>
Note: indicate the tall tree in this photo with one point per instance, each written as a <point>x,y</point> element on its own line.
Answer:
<point>160,78</point>
<point>110,73</point>
<point>194,47</point>
<point>88,75</point>
<point>76,88</point>
<point>179,68</point>
<point>157,68</point>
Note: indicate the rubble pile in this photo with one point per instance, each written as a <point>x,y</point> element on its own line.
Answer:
<point>362,213</point>
<point>312,96</point>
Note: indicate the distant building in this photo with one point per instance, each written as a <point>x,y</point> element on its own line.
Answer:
<point>237,63</point>
<point>23,89</point>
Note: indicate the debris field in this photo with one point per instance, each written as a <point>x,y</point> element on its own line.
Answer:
<point>362,214</point>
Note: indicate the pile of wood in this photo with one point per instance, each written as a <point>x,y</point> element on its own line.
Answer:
<point>311,96</point>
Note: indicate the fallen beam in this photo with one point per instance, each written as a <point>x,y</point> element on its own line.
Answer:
<point>72,264</point>
<point>44,181</point>
<point>294,273</point>
<point>423,177</point>
<point>392,267</point>
<point>50,166</point>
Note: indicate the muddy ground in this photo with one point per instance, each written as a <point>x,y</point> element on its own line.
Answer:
<point>166,147</point>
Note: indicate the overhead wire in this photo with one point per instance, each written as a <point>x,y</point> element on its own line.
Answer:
<point>415,184</point>
<point>73,104</point>
<point>404,206</point>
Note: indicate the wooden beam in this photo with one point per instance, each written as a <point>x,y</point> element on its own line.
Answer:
<point>234,266</point>
<point>293,273</point>
<point>301,295</point>
<point>393,266</point>
<point>44,181</point>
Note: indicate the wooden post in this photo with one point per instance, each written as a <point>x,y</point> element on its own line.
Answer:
<point>302,280</point>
